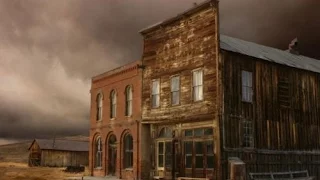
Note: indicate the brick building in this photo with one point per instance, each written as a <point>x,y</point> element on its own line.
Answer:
<point>115,127</point>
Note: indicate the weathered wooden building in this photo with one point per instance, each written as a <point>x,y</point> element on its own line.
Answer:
<point>180,93</point>
<point>208,97</point>
<point>58,153</point>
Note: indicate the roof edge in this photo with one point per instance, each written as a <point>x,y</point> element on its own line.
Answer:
<point>179,16</point>
<point>116,70</point>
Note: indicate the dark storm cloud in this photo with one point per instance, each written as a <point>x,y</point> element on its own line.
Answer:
<point>49,50</point>
<point>274,23</point>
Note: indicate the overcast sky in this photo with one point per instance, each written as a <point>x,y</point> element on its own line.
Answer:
<point>49,50</point>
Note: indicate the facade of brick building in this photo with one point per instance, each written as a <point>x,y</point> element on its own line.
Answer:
<point>115,127</point>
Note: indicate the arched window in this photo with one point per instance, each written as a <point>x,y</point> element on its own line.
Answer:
<point>99,107</point>
<point>165,133</point>
<point>128,101</point>
<point>128,151</point>
<point>98,153</point>
<point>113,104</point>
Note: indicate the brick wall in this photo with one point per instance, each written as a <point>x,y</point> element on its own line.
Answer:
<point>117,80</point>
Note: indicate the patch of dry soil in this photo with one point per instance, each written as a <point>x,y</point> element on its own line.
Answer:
<point>21,171</point>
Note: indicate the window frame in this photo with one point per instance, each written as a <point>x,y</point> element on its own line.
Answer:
<point>193,139</point>
<point>178,91</point>
<point>165,139</point>
<point>99,106</point>
<point>245,85</point>
<point>113,104</point>
<point>128,149</point>
<point>128,101</point>
<point>152,93</point>
<point>193,86</point>
<point>98,164</point>
<point>247,140</point>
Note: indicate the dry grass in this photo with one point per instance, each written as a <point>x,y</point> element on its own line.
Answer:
<point>21,171</point>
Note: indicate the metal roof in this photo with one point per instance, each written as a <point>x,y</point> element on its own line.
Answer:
<point>269,54</point>
<point>62,145</point>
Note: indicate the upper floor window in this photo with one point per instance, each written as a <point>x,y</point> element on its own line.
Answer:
<point>175,90</point>
<point>113,104</point>
<point>155,93</point>
<point>99,106</point>
<point>98,153</point>
<point>197,85</point>
<point>128,151</point>
<point>247,91</point>
<point>128,101</point>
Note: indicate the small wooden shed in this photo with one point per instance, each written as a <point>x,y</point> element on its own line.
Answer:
<point>58,153</point>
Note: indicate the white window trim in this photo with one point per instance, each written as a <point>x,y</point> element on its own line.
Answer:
<point>192,86</point>
<point>151,97</point>
<point>179,91</point>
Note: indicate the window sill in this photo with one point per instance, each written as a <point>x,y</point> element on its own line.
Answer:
<point>198,101</point>
<point>98,168</point>
<point>129,116</point>
<point>174,105</point>
<point>113,119</point>
<point>128,169</point>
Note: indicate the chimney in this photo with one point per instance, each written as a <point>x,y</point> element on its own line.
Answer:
<point>293,47</point>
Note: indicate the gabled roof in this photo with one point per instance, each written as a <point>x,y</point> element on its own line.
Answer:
<point>269,54</point>
<point>61,145</point>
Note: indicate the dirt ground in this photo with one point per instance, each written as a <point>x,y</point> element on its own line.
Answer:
<point>21,171</point>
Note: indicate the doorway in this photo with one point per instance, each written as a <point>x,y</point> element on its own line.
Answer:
<point>112,155</point>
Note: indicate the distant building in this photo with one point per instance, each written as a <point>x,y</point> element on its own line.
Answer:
<point>58,153</point>
<point>115,129</point>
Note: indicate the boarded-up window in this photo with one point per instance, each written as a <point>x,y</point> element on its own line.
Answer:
<point>283,91</point>
<point>113,104</point>
<point>247,92</point>
<point>128,151</point>
<point>128,101</point>
<point>98,153</point>
<point>247,133</point>
<point>175,90</point>
<point>155,93</point>
<point>197,85</point>
<point>99,107</point>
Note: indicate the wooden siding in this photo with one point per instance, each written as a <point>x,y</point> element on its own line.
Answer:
<point>63,158</point>
<point>34,155</point>
<point>177,49</point>
<point>284,112</point>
